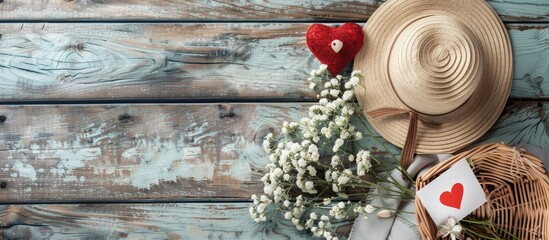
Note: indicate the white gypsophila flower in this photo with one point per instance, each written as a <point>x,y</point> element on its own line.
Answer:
<point>328,175</point>
<point>268,189</point>
<point>348,85</point>
<point>321,224</point>
<point>312,171</point>
<point>318,232</point>
<point>288,215</point>
<point>358,135</point>
<point>267,146</point>
<point>335,188</point>
<point>324,93</point>
<point>323,67</point>
<point>286,177</point>
<point>323,101</point>
<point>358,209</point>
<point>363,162</point>
<point>338,211</point>
<point>351,157</point>
<point>335,176</point>
<point>309,185</point>
<point>338,102</point>
<point>335,161</point>
<point>334,82</point>
<point>286,203</point>
<point>344,134</point>
<point>327,84</point>
<point>301,163</point>
<point>348,95</point>
<point>369,209</point>
<point>342,180</point>
<point>312,85</point>
<point>334,92</point>
<point>354,81</point>
<point>338,143</point>
<point>316,139</point>
<point>295,221</point>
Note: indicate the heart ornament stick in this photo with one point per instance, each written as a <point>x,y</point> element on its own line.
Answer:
<point>335,47</point>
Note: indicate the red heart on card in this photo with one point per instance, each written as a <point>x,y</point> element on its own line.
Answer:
<point>454,197</point>
<point>335,47</point>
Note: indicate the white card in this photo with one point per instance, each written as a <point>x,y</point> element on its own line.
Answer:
<point>455,193</point>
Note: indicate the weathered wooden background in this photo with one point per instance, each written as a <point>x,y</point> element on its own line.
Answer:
<point>144,118</point>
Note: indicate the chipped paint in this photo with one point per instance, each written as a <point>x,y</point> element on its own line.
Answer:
<point>166,161</point>
<point>241,154</point>
<point>71,159</point>
<point>24,170</point>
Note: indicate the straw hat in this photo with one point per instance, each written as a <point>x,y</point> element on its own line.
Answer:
<point>447,62</point>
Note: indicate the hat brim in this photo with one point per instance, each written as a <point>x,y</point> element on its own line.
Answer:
<point>472,119</point>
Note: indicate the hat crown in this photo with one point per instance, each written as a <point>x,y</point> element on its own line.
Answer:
<point>435,64</point>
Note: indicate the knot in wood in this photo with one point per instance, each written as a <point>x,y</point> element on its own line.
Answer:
<point>124,117</point>
<point>2,117</point>
<point>227,115</point>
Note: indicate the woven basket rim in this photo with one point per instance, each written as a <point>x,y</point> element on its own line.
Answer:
<point>503,163</point>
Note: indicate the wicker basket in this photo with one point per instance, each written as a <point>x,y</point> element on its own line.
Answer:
<point>517,188</point>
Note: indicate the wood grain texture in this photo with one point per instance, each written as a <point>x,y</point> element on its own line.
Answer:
<point>119,61</point>
<point>139,221</point>
<point>189,10</point>
<point>133,152</point>
<point>192,61</point>
<point>255,10</point>
<point>531,61</point>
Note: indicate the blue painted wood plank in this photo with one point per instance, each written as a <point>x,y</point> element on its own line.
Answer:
<point>139,221</point>
<point>193,62</point>
<point>256,10</point>
<point>168,152</point>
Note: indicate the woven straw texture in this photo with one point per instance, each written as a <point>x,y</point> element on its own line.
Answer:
<point>517,189</point>
<point>449,61</point>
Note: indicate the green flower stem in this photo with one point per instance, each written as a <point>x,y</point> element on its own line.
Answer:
<point>401,169</point>
<point>366,183</point>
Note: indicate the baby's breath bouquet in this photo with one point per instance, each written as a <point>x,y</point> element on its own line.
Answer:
<point>318,175</point>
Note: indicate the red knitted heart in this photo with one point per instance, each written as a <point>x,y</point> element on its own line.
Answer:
<point>335,47</point>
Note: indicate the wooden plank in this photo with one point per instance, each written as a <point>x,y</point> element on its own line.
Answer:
<point>139,221</point>
<point>257,10</point>
<point>192,61</point>
<point>119,61</point>
<point>521,123</point>
<point>132,152</point>
<point>531,61</point>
